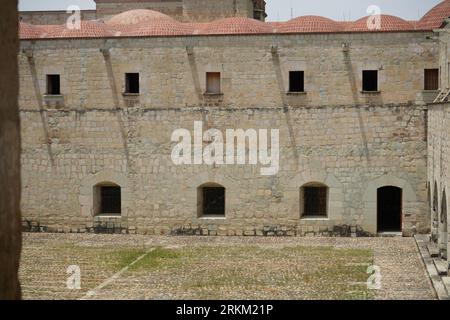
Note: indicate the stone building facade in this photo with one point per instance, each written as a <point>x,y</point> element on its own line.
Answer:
<point>357,133</point>
<point>182,10</point>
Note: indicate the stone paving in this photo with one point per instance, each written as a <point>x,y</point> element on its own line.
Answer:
<point>285,261</point>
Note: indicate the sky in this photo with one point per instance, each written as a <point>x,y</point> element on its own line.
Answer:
<point>281,10</point>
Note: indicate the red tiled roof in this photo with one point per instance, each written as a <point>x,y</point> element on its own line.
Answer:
<point>29,31</point>
<point>307,24</point>
<point>88,29</point>
<point>156,27</point>
<point>142,22</point>
<point>387,23</point>
<point>434,18</point>
<point>236,25</point>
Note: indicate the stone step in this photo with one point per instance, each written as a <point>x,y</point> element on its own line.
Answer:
<point>441,266</point>
<point>446,281</point>
<point>433,250</point>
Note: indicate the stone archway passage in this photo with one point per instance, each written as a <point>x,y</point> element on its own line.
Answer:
<point>389,209</point>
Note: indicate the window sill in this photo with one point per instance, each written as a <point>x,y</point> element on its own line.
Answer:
<point>312,218</point>
<point>53,97</point>
<point>127,94</point>
<point>211,94</point>
<point>212,218</point>
<point>373,93</point>
<point>108,216</point>
<point>300,93</point>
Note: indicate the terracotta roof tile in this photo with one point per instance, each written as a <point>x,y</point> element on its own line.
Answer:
<point>142,22</point>
<point>237,25</point>
<point>306,24</point>
<point>434,18</point>
<point>387,23</point>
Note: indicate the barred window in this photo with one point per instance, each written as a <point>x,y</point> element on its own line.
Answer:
<point>315,200</point>
<point>431,79</point>
<point>107,199</point>
<point>211,200</point>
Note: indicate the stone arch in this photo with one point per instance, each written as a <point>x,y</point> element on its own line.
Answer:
<point>435,213</point>
<point>335,205</point>
<point>88,184</point>
<point>409,203</point>
<point>443,229</point>
<point>212,179</point>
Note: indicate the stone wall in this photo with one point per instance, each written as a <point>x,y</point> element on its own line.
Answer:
<point>108,8</point>
<point>439,171</point>
<point>172,70</point>
<point>209,10</point>
<point>333,134</point>
<point>53,17</point>
<point>351,149</point>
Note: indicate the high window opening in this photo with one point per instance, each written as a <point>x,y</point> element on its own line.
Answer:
<point>296,81</point>
<point>314,200</point>
<point>370,80</point>
<point>107,199</point>
<point>213,83</point>
<point>431,77</point>
<point>389,209</point>
<point>211,200</point>
<point>132,83</point>
<point>53,84</point>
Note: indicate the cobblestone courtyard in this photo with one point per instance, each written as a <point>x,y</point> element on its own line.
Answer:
<point>220,268</point>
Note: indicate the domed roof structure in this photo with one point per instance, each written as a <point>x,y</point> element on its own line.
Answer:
<point>434,18</point>
<point>142,22</point>
<point>237,25</point>
<point>137,16</point>
<point>388,23</point>
<point>311,24</point>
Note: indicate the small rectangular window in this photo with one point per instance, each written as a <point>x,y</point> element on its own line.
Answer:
<point>213,82</point>
<point>110,200</point>
<point>53,84</point>
<point>296,81</point>
<point>315,201</point>
<point>213,201</point>
<point>370,80</point>
<point>132,83</point>
<point>431,79</point>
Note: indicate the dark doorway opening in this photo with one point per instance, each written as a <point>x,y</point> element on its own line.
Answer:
<point>389,209</point>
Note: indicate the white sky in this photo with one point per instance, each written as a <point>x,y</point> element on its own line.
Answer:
<point>280,10</point>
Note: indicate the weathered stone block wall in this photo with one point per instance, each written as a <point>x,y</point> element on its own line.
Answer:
<point>348,148</point>
<point>209,10</point>
<point>334,135</point>
<point>439,169</point>
<point>253,73</point>
<point>53,17</point>
<point>106,9</point>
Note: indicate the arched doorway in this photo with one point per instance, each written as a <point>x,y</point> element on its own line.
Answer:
<point>389,209</point>
<point>435,214</point>
<point>443,227</point>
